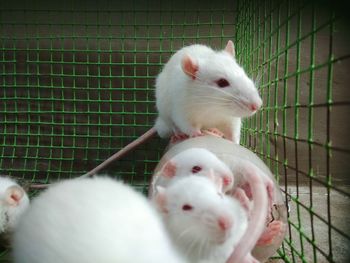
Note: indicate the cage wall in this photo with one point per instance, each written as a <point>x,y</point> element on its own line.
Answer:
<point>299,53</point>
<point>77,84</point>
<point>78,80</point>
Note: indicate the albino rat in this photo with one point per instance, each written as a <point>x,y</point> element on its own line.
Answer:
<point>255,181</point>
<point>197,161</point>
<point>199,88</point>
<point>92,220</point>
<point>13,202</point>
<point>204,224</point>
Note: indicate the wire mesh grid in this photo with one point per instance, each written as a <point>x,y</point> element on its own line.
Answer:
<point>78,81</point>
<point>296,49</point>
<point>78,84</point>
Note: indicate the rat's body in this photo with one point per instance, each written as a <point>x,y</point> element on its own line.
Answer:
<point>92,220</point>
<point>204,224</point>
<point>194,161</point>
<point>198,89</point>
<point>13,203</point>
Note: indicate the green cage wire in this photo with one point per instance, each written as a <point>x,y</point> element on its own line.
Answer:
<point>77,84</point>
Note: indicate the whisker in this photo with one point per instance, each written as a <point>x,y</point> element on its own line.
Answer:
<point>208,101</point>
<point>219,103</point>
<point>205,245</point>
<point>220,90</point>
<point>183,233</point>
<point>231,97</point>
<point>208,86</point>
<point>214,98</point>
<point>190,247</point>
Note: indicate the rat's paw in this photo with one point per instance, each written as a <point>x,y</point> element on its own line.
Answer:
<point>178,137</point>
<point>213,131</point>
<point>196,133</point>
<point>241,196</point>
<point>275,228</point>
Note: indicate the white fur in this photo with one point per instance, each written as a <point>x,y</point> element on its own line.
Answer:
<point>191,157</point>
<point>186,105</point>
<point>10,214</point>
<point>92,220</point>
<point>196,232</point>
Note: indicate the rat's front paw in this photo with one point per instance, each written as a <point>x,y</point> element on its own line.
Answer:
<point>178,137</point>
<point>196,133</point>
<point>214,131</point>
<point>275,228</point>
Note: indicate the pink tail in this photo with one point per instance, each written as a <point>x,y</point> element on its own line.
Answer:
<point>258,216</point>
<point>143,138</point>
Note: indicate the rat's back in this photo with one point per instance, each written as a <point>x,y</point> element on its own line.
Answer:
<point>91,220</point>
<point>171,86</point>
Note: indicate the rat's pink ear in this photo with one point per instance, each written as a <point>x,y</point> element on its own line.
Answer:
<point>189,66</point>
<point>13,195</point>
<point>169,169</point>
<point>160,198</point>
<point>230,48</point>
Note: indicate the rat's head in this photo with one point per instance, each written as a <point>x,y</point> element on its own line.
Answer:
<point>198,161</point>
<point>13,202</point>
<point>219,82</point>
<point>195,211</point>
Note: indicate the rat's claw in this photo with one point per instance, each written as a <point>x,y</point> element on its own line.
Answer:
<point>275,228</point>
<point>214,132</point>
<point>178,137</point>
<point>196,133</point>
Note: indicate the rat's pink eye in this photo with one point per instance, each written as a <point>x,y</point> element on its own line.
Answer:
<point>196,169</point>
<point>222,83</point>
<point>187,207</point>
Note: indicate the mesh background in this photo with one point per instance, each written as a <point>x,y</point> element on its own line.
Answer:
<point>77,84</point>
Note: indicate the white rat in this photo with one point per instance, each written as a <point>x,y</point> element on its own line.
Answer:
<point>13,203</point>
<point>198,161</point>
<point>204,224</point>
<point>92,220</point>
<point>198,88</point>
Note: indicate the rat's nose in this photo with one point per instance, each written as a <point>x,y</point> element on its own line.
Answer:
<point>227,180</point>
<point>255,106</point>
<point>224,223</point>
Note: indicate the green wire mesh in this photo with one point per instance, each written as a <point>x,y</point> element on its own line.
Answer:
<point>78,81</point>
<point>298,50</point>
<point>77,84</point>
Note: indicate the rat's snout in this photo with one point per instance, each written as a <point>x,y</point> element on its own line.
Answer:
<point>224,223</point>
<point>256,105</point>
<point>227,180</point>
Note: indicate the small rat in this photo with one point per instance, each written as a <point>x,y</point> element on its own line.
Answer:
<point>192,161</point>
<point>204,224</point>
<point>199,88</point>
<point>92,220</point>
<point>13,203</point>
